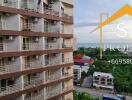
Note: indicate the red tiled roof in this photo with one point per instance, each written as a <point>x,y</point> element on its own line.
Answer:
<point>83,61</point>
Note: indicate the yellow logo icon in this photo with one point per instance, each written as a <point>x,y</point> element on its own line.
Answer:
<point>127,9</point>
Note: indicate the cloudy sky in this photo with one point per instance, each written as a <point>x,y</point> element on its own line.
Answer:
<point>87,15</point>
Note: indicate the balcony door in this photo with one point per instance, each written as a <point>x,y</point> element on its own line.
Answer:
<point>26,41</point>
<point>1,44</point>
<point>0,22</point>
<point>24,24</point>
<point>46,26</point>
<point>27,62</point>
<point>6,82</point>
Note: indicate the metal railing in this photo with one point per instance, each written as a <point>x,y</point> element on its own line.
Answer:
<point>1,47</point>
<point>29,5</point>
<point>8,3</point>
<point>32,83</point>
<point>5,47</point>
<point>35,97</point>
<point>35,64</point>
<point>9,68</point>
<point>31,46</point>
<point>52,46</point>
<point>53,92</point>
<point>52,29</point>
<point>10,89</point>
<point>67,17</point>
<point>5,26</point>
<point>57,91</point>
<point>65,60</point>
<point>52,62</point>
<point>51,12</point>
<point>53,77</point>
<point>67,45</point>
<point>28,27</point>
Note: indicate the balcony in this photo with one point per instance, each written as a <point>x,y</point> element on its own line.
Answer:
<point>57,91</point>
<point>32,65</point>
<point>32,83</point>
<point>66,60</point>
<point>7,26</point>
<point>35,97</point>
<point>67,45</point>
<point>9,68</point>
<point>52,29</point>
<point>8,3</point>
<point>53,93</point>
<point>28,27</point>
<point>29,5</point>
<point>52,46</point>
<point>67,18</point>
<point>31,46</point>
<point>9,89</point>
<point>8,47</point>
<point>51,12</point>
<point>51,62</point>
<point>53,77</point>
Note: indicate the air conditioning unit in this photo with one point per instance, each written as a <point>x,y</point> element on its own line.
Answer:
<point>55,54</point>
<point>12,58</point>
<point>54,22</point>
<point>54,39</point>
<point>36,39</point>
<point>35,20</point>
<point>9,38</point>
<point>36,57</point>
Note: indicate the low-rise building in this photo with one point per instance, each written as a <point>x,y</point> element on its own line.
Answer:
<point>77,74</point>
<point>103,80</point>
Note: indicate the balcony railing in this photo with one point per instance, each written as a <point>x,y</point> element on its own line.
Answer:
<point>1,47</point>
<point>52,62</point>
<point>53,77</point>
<point>29,5</point>
<point>4,47</point>
<point>9,68</point>
<point>52,29</point>
<point>52,93</point>
<point>35,97</point>
<point>8,3</point>
<point>33,83</point>
<point>17,87</point>
<point>67,17</point>
<point>31,46</point>
<point>9,89</point>
<point>57,91</point>
<point>67,45</point>
<point>28,27</point>
<point>52,46</point>
<point>65,60</point>
<point>51,12</point>
<point>35,64</point>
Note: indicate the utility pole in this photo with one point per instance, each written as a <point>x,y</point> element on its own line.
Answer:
<point>101,34</point>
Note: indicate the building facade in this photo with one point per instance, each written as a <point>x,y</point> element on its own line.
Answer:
<point>77,74</point>
<point>36,45</point>
<point>103,80</point>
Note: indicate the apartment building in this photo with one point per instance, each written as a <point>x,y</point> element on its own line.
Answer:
<point>103,80</point>
<point>36,45</point>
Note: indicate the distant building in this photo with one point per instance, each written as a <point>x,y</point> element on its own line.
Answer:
<point>77,74</point>
<point>83,68</point>
<point>103,80</point>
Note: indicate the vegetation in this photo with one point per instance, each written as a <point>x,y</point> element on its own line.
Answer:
<point>83,96</point>
<point>121,72</point>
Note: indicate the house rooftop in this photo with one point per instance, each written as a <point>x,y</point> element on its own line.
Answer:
<point>103,74</point>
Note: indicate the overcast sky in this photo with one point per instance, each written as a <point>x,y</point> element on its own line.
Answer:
<point>87,15</point>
